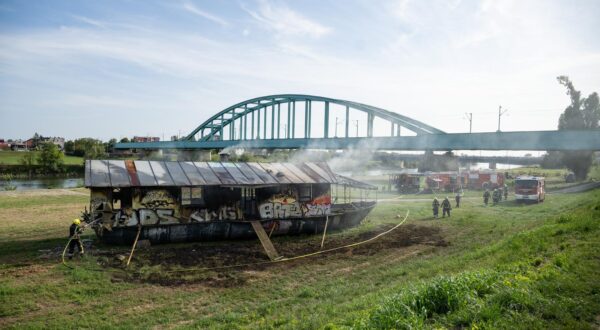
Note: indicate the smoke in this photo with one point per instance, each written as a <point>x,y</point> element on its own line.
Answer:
<point>354,160</point>
<point>238,149</point>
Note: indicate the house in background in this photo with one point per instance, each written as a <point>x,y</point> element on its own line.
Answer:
<point>145,139</point>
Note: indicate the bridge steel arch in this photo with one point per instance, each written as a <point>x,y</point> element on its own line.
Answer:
<point>251,116</point>
<point>254,112</point>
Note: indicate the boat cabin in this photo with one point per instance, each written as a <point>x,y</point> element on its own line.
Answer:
<point>132,193</point>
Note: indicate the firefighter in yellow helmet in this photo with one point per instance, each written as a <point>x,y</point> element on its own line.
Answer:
<point>74,231</point>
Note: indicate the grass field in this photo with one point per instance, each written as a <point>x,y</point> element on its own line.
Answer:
<point>14,158</point>
<point>508,266</point>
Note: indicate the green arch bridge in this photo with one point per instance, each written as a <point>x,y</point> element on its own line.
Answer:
<point>289,121</point>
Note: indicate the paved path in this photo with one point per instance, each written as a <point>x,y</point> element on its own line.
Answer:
<point>578,188</point>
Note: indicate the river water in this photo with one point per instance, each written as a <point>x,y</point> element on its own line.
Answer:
<point>47,183</point>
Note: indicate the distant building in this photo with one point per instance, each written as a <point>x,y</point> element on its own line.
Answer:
<point>30,144</point>
<point>4,144</point>
<point>18,145</point>
<point>59,141</point>
<point>36,141</point>
<point>145,139</point>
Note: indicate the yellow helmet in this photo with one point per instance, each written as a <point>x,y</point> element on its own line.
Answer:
<point>77,221</point>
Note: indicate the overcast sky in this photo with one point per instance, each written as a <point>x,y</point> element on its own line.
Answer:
<point>121,68</point>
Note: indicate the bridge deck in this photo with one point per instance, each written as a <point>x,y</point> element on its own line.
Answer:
<point>534,140</point>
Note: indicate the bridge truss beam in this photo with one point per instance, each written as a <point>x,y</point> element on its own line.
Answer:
<point>269,108</point>
<point>535,140</point>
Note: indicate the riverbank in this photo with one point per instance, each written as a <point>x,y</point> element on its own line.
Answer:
<point>12,168</point>
<point>537,264</point>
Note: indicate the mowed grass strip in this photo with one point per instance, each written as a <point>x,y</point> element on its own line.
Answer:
<point>340,290</point>
<point>15,158</point>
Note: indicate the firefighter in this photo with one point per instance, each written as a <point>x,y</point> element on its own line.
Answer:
<point>446,207</point>
<point>457,198</point>
<point>496,196</point>
<point>74,231</point>
<point>486,197</point>
<point>436,207</point>
<point>505,192</point>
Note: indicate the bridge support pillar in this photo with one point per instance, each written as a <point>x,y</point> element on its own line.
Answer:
<point>492,166</point>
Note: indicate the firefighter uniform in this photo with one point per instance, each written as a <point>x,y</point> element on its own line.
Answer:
<point>496,196</point>
<point>457,198</point>
<point>446,207</point>
<point>74,231</point>
<point>436,207</point>
<point>486,197</point>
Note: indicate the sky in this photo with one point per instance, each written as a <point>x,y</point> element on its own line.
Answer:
<point>107,69</point>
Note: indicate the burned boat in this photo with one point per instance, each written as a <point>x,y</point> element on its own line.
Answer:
<point>176,201</point>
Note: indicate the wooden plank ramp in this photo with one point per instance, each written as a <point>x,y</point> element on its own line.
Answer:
<point>265,240</point>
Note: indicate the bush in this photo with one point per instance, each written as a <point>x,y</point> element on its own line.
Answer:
<point>412,308</point>
<point>50,158</point>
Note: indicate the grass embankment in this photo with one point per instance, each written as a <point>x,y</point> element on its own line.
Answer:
<point>15,157</point>
<point>11,167</point>
<point>523,266</point>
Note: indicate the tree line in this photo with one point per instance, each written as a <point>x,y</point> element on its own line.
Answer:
<point>50,159</point>
<point>582,114</point>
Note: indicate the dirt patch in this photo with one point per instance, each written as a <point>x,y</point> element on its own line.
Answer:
<point>210,264</point>
<point>24,270</point>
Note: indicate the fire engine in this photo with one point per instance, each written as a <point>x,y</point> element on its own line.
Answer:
<point>530,188</point>
<point>485,180</point>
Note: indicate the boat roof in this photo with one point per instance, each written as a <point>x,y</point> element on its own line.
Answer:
<point>146,173</point>
<point>344,180</point>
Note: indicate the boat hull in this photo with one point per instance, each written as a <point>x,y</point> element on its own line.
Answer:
<point>342,216</point>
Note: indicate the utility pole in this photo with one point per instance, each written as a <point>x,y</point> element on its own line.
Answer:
<point>500,113</point>
<point>469,117</point>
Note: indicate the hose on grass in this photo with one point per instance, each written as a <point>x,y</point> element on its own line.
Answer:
<point>296,257</point>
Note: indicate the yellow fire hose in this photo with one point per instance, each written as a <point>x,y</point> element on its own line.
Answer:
<point>67,246</point>
<point>297,257</point>
<point>250,264</point>
<point>71,238</point>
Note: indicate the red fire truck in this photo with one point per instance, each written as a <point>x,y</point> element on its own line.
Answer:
<point>447,181</point>
<point>485,180</point>
<point>406,183</point>
<point>530,188</point>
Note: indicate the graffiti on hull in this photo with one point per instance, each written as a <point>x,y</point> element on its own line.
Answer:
<point>285,206</point>
<point>225,212</point>
<point>318,206</point>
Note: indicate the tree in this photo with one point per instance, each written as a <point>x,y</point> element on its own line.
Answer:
<point>50,158</point>
<point>124,140</point>
<point>88,148</point>
<point>69,147</point>
<point>28,160</point>
<point>110,145</point>
<point>582,113</point>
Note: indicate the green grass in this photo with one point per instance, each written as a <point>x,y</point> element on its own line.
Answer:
<point>553,284</point>
<point>512,265</point>
<point>14,158</point>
